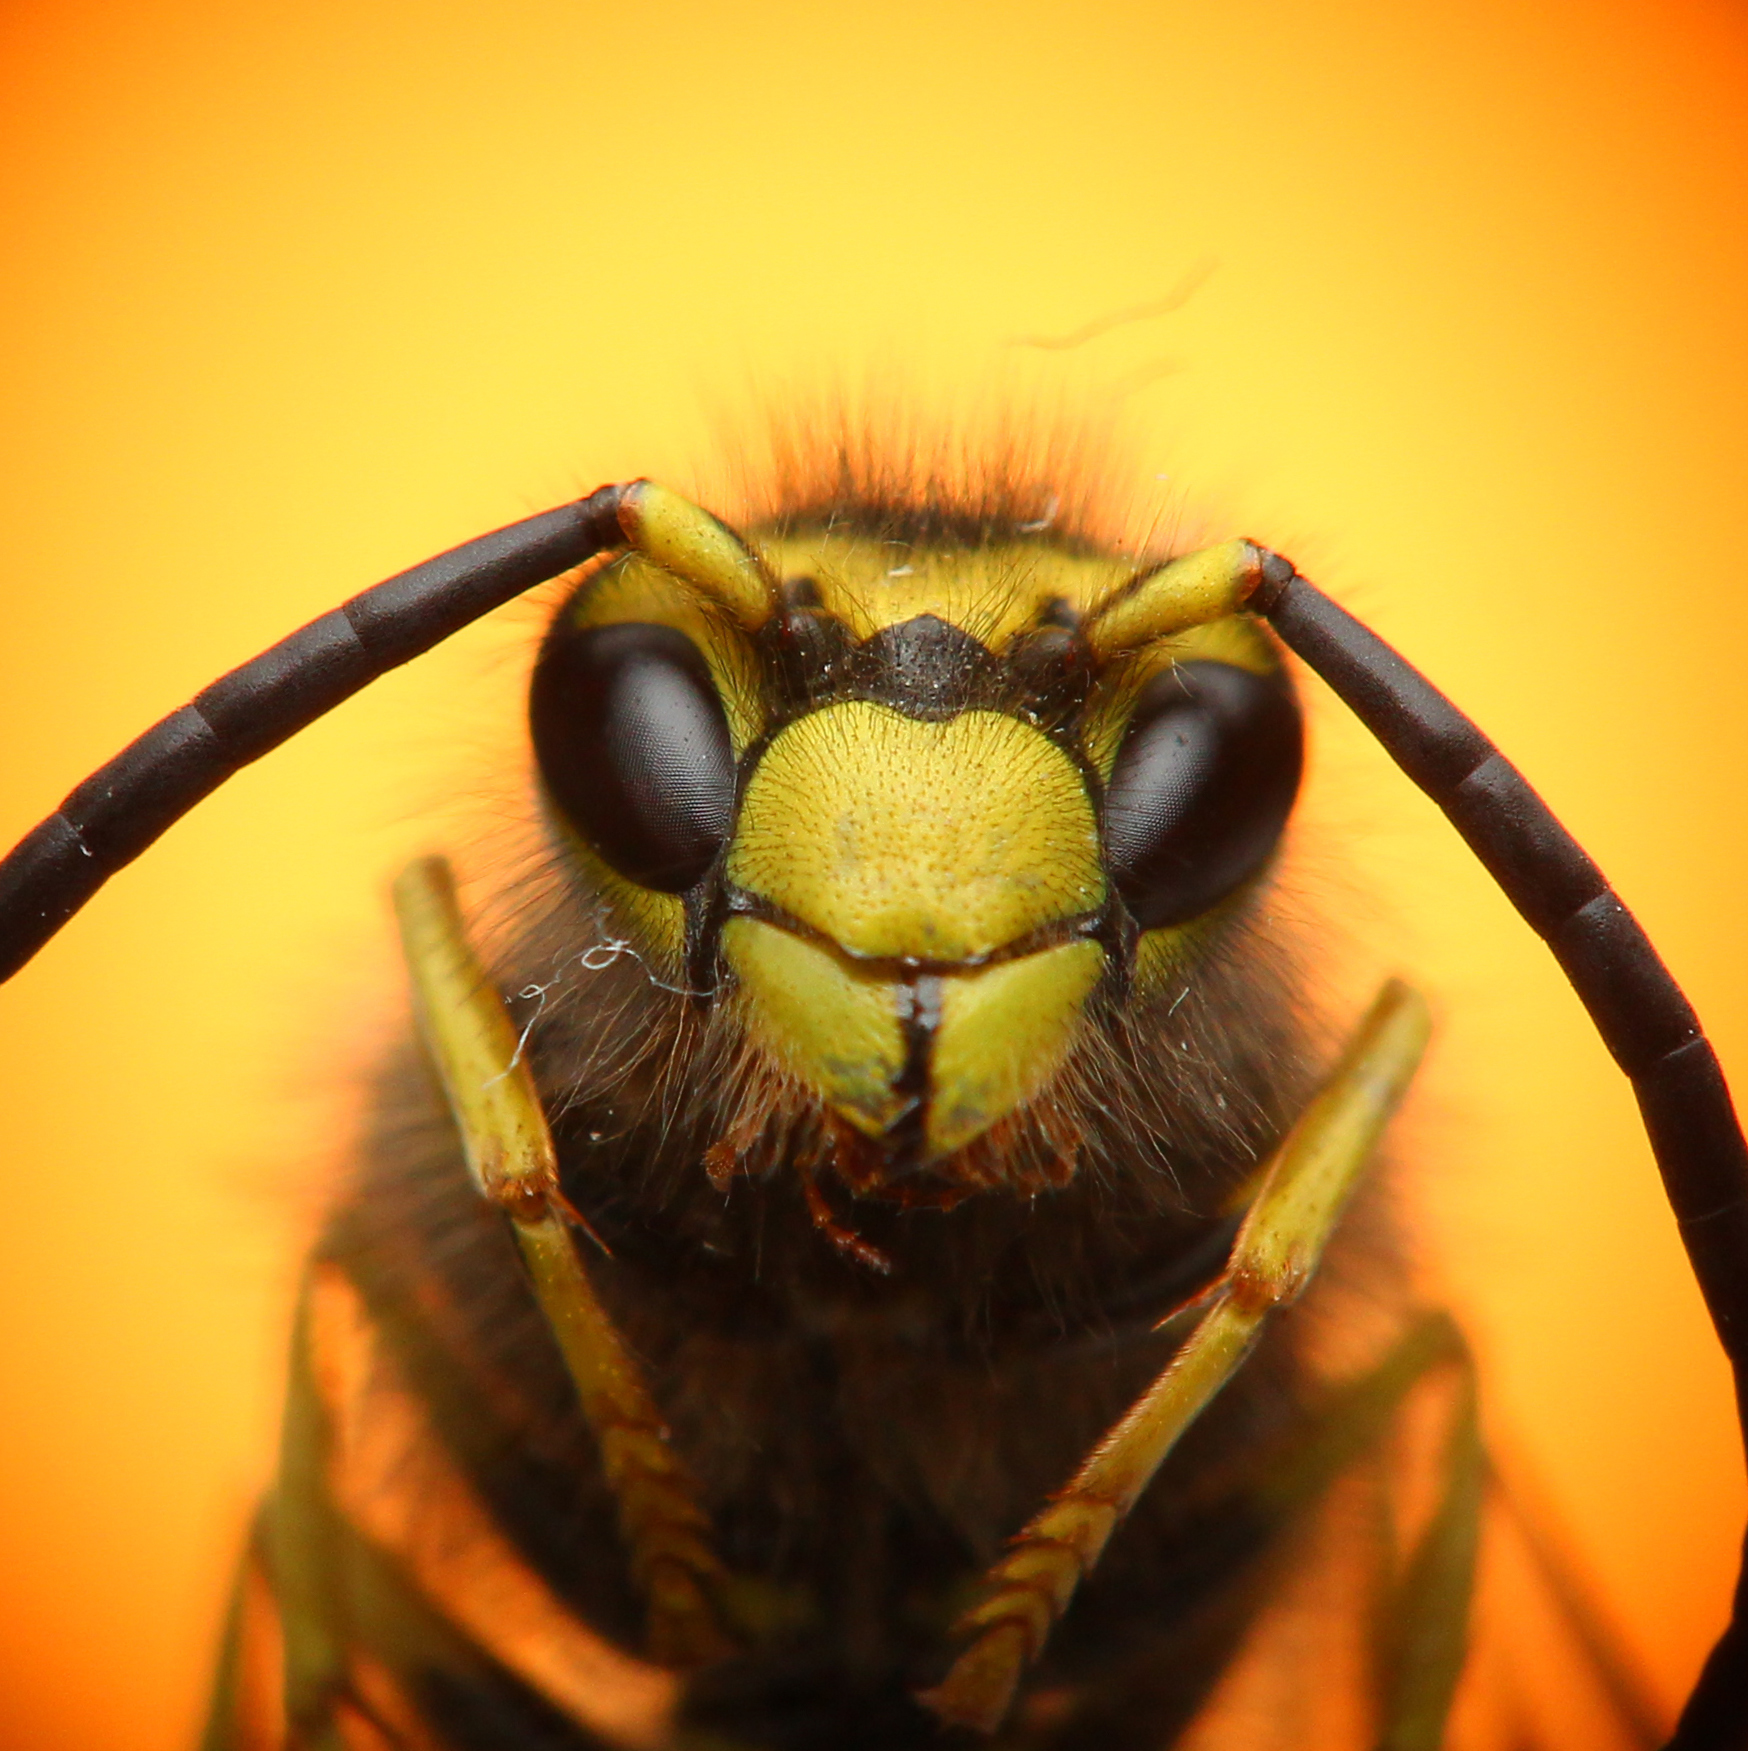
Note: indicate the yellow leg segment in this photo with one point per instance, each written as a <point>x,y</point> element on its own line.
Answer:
<point>247,1712</point>
<point>1303,1193</point>
<point>1424,1619</point>
<point>510,1154</point>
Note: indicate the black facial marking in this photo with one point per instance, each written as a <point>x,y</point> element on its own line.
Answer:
<point>1201,788</point>
<point>925,667</point>
<point>1050,671</point>
<point>806,656</point>
<point>633,748</point>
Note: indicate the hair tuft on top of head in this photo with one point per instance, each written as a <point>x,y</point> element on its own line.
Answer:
<point>872,470</point>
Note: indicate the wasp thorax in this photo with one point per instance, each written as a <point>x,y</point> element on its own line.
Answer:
<point>912,832</point>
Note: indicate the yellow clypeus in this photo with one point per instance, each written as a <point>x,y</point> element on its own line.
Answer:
<point>911,840</point>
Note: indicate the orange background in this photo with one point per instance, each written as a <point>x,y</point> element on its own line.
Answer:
<point>294,296</point>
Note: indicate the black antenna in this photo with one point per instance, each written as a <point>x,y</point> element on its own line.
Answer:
<point>125,806</point>
<point>1644,1019</point>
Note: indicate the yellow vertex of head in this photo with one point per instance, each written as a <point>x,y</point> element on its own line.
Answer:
<point>991,592</point>
<point>915,840</point>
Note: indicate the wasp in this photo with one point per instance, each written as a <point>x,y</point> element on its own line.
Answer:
<point>850,1254</point>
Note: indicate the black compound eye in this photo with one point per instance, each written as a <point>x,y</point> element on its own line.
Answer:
<point>633,747</point>
<point>1201,789</point>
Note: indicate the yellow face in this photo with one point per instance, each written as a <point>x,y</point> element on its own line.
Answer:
<point>909,823</point>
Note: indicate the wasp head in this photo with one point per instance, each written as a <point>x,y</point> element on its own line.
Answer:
<point>920,812</point>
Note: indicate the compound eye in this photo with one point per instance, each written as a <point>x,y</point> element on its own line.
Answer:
<point>1201,788</point>
<point>633,748</point>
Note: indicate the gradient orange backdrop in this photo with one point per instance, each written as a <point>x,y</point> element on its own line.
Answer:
<point>294,296</point>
